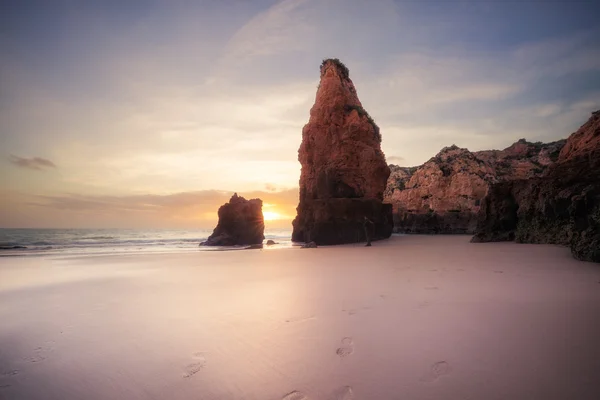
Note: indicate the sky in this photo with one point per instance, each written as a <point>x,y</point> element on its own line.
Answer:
<point>150,114</point>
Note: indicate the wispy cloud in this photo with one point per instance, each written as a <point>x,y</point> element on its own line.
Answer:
<point>184,209</point>
<point>36,163</point>
<point>395,160</point>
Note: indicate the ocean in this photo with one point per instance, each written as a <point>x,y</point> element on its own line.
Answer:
<point>22,242</point>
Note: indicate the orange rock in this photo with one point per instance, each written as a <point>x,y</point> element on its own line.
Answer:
<point>444,194</point>
<point>341,158</point>
<point>584,141</point>
<point>560,207</point>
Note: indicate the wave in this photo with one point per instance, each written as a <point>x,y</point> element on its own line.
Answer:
<point>14,247</point>
<point>81,242</point>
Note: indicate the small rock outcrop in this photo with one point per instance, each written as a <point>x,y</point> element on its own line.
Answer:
<point>560,207</point>
<point>344,172</point>
<point>240,223</point>
<point>444,194</point>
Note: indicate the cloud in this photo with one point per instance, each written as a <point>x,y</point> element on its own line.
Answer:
<point>176,210</point>
<point>546,110</point>
<point>274,31</point>
<point>228,89</point>
<point>36,163</point>
<point>395,160</point>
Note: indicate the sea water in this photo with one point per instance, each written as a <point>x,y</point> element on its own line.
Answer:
<point>110,241</point>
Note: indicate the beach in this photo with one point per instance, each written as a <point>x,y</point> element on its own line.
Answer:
<point>412,317</point>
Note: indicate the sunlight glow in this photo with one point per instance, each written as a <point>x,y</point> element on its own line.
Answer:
<point>271,215</point>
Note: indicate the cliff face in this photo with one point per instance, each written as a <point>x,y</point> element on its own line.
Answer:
<point>560,207</point>
<point>344,172</point>
<point>585,141</point>
<point>241,222</point>
<point>444,194</point>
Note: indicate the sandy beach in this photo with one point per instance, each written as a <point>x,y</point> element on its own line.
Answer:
<point>413,317</point>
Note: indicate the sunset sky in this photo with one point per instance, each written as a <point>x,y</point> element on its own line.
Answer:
<point>152,113</point>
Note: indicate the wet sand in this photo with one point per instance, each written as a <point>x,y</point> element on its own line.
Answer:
<point>413,317</point>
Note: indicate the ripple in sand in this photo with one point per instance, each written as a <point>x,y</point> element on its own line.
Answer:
<point>343,393</point>
<point>295,395</point>
<point>437,370</point>
<point>346,349</point>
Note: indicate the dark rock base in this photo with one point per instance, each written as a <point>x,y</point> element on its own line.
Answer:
<point>340,221</point>
<point>560,208</point>
<point>463,222</point>
<point>241,223</point>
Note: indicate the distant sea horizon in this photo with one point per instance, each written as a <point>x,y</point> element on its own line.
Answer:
<point>83,241</point>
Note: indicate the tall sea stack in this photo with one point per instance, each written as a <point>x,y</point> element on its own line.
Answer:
<point>344,172</point>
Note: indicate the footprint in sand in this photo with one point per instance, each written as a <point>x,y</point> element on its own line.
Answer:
<point>295,395</point>
<point>39,354</point>
<point>346,349</point>
<point>343,393</point>
<point>195,367</point>
<point>436,370</point>
<point>423,304</point>
<point>354,311</point>
<point>300,319</point>
<point>7,375</point>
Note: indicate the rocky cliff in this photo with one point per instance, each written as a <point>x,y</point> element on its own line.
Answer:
<point>560,207</point>
<point>344,172</point>
<point>241,222</point>
<point>444,194</point>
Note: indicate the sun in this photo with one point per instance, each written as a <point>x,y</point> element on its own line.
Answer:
<point>271,215</point>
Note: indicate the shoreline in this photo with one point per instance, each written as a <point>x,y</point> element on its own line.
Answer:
<point>195,248</point>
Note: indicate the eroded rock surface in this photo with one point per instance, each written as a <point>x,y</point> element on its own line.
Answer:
<point>560,207</point>
<point>241,222</point>
<point>444,194</point>
<point>344,172</point>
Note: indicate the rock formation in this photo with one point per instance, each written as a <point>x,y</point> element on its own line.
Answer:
<point>240,223</point>
<point>560,207</point>
<point>444,194</point>
<point>344,172</point>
